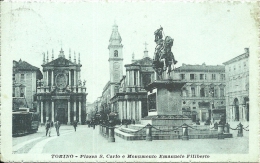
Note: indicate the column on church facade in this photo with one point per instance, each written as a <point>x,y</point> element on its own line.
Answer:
<point>80,111</point>
<point>132,77</point>
<point>74,77</point>
<point>133,110</point>
<point>52,111</point>
<point>52,78</point>
<point>126,109</point>
<point>47,77</point>
<point>69,78</point>
<point>47,110</point>
<point>41,111</point>
<point>68,111</point>
<point>77,78</point>
<point>123,109</point>
<point>120,105</point>
<point>130,109</point>
<point>44,78</point>
<point>138,78</point>
<point>75,111</point>
<point>140,109</point>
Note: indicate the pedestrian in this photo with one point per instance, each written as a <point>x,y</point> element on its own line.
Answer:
<point>47,126</point>
<point>75,123</point>
<point>51,126</point>
<point>57,126</point>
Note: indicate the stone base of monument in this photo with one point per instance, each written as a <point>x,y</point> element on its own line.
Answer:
<point>165,103</point>
<point>166,120</point>
<point>138,132</point>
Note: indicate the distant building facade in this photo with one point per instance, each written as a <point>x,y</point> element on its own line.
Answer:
<point>237,89</point>
<point>25,78</point>
<point>61,95</point>
<point>203,95</point>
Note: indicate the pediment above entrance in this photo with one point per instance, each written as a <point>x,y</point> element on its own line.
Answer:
<point>60,62</point>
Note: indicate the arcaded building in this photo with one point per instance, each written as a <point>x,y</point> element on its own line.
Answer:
<point>237,87</point>
<point>61,94</point>
<point>203,95</point>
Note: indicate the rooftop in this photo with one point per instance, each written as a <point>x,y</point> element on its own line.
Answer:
<point>242,56</point>
<point>147,61</point>
<point>203,67</point>
<point>23,65</point>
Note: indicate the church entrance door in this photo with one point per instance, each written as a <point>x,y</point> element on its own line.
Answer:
<point>61,116</point>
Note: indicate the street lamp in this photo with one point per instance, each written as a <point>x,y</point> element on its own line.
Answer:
<point>211,93</point>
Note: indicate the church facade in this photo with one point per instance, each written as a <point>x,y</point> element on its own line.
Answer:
<point>61,95</point>
<point>131,100</point>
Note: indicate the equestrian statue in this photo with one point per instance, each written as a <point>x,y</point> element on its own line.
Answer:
<point>163,57</point>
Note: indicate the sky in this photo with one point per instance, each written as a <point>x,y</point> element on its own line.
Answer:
<point>203,32</point>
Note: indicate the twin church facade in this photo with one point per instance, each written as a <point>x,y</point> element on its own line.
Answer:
<point>60,94</point>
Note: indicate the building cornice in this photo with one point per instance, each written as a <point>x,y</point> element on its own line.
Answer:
<point>236,59</point>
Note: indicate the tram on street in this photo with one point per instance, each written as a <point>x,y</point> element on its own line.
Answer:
<point>24,122</point>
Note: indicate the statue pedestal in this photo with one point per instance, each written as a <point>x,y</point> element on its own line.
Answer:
<point>165,103</point>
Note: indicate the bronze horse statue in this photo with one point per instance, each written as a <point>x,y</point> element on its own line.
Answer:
<point>163,56</point>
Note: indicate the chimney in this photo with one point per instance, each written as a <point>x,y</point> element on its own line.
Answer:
<point>247,50</point>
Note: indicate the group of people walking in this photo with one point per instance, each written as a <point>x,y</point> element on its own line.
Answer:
<point>49,126</point>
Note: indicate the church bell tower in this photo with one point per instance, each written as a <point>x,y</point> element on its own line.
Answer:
<point>115,56</point>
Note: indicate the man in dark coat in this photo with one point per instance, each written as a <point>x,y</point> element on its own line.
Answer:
<point>75,123</point>
<point>47,126</point>
<point>57,126</point>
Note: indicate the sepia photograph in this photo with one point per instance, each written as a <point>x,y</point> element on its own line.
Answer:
<point>111,81</point>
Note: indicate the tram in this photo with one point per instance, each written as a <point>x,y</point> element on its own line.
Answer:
<point>24,122</point>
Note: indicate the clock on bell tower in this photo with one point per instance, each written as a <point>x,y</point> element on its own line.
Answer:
<point>115,56</point>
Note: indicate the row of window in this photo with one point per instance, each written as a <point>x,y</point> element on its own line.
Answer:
<point>201,76</point>
<point>184,102</point>
<point>213,92</point>
<point>22,77</point>
<point>239,66</point>
<point>21,92</point>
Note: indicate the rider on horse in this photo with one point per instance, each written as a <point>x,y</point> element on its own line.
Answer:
<point>163,57</point>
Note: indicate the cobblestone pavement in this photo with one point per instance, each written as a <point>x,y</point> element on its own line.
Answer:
<point>88,141</point>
